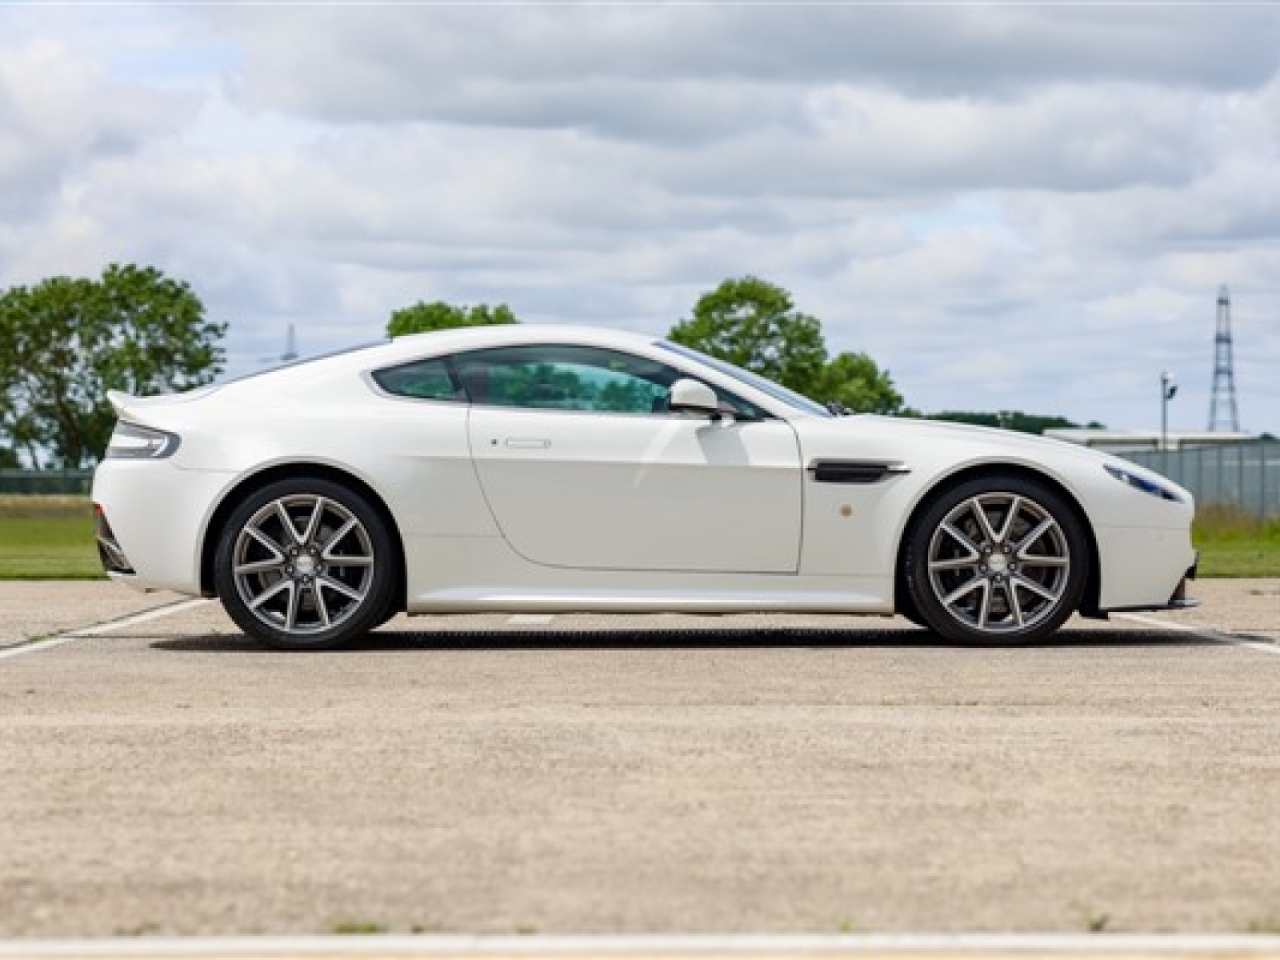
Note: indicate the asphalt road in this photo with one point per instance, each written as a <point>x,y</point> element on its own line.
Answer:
<point>635,774</point>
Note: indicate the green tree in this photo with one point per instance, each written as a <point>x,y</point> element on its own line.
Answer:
<point>439,315</point>
<point>855,382</point>
<point>754,324</point>
<point>67,341</point>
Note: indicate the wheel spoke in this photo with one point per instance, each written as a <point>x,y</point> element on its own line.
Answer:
<point>1033,560</point>
<point>343,560</point>
<point>262,538</point>
<point>988,531</point>
<point>291,613</point>
<point>959,536</point>
<point>1043,527</point>
<point>985,610</point>
<point>336,538</point>
<point>321,607</point>
<point>277,587</point>
<point>963,591</point>
<point>339,560</point>
<point>1028,584</point>
<point>1014,606</point>
<point>959,563</point>
<point>287,522</point>
<point>1007,527</point>
<point>339,587</point>
<point>313,524</point>
<point>259,566</point>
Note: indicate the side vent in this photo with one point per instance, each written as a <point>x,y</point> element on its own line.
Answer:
<point>854,471</point>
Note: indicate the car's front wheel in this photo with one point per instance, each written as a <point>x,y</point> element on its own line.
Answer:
<point>305,564</point>
<point>996,560</point>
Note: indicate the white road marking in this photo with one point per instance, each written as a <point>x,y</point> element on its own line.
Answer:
<point>1207,632</point>
<point>748,945</point>
<point>109,626</point>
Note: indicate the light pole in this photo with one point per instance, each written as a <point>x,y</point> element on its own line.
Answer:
<point>1168,389</point>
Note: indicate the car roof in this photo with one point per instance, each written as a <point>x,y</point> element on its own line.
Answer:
<point>333,375</point>
<point>432,343</point>
<point>472,338</point>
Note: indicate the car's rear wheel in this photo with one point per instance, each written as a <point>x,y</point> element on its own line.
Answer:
<point>996,560</point>
<point>305,564</point>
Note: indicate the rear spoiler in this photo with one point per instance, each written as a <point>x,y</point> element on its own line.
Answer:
<point>129,407</point>
<point>120,402</point>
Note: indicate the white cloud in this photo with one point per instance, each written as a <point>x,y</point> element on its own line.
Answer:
<point>1008,206</point>
<point>349,63</point>
<point>59,112</point>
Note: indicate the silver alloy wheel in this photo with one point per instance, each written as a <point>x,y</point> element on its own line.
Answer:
<point>999,563</point>
<point>303,563</point>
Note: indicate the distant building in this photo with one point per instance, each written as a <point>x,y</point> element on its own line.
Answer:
<point>1129,441</point>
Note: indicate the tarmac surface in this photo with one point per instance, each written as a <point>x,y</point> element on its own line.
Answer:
<point>162,775</point>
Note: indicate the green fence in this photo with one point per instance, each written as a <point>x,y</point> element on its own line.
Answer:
<point>1246,475</point>
<point>45,481</point>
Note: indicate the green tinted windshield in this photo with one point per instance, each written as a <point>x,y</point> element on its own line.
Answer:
<point>763,384</point>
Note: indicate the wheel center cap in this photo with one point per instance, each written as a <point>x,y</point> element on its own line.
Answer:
<point>305,565</point>
<point>998,562</point>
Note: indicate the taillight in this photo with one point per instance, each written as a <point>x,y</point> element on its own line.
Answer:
<point>132,441</point>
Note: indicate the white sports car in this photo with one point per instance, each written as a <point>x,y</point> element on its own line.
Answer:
<point>539,468</point>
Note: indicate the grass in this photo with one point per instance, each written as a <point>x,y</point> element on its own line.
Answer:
<point>47,538</point>
<point>1235,543</point>
<point>358,928</point>
<point>51,538</point>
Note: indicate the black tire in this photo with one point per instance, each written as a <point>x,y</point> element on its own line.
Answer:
<point>996,560</point>
<point>395,606</point>
<point>319,582</point>
<point>909,613</point>
<point>905,607</point>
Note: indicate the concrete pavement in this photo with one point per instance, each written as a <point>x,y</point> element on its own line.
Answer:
<point>642,775</point>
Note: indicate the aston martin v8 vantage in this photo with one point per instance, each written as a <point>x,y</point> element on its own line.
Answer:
<point>540,468</point>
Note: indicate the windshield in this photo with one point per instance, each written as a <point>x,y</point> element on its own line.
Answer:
<point>764,385</point>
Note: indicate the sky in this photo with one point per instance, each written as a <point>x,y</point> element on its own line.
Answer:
<point>1008,206</point>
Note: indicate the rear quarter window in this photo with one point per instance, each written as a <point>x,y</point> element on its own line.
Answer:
<point>421,380</point>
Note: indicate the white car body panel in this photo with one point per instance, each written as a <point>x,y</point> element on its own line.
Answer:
<point>627,492</point>
<point>507,509</point>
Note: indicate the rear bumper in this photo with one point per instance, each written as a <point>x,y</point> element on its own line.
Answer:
<point>109,551</point>
<point>152,518</point>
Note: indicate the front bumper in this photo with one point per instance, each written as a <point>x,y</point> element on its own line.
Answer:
<point>1179,600</point>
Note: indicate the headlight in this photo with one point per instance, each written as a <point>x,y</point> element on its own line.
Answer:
<point>130,441</point>
<point>1144,483</point>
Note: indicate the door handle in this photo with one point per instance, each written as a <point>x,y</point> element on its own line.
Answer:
<point>522,443</point>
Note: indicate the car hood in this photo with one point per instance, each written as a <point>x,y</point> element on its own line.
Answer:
<point>919,430</point>
<point>908,442</point>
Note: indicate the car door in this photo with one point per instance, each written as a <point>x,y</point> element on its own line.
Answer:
<point>582,466</point>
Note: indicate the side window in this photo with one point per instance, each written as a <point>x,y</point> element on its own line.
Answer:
<point>565,378</point>
<point>422,380</point>
<point>548,377</point>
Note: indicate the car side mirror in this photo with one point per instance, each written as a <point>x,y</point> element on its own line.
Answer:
<point>693,396</point>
